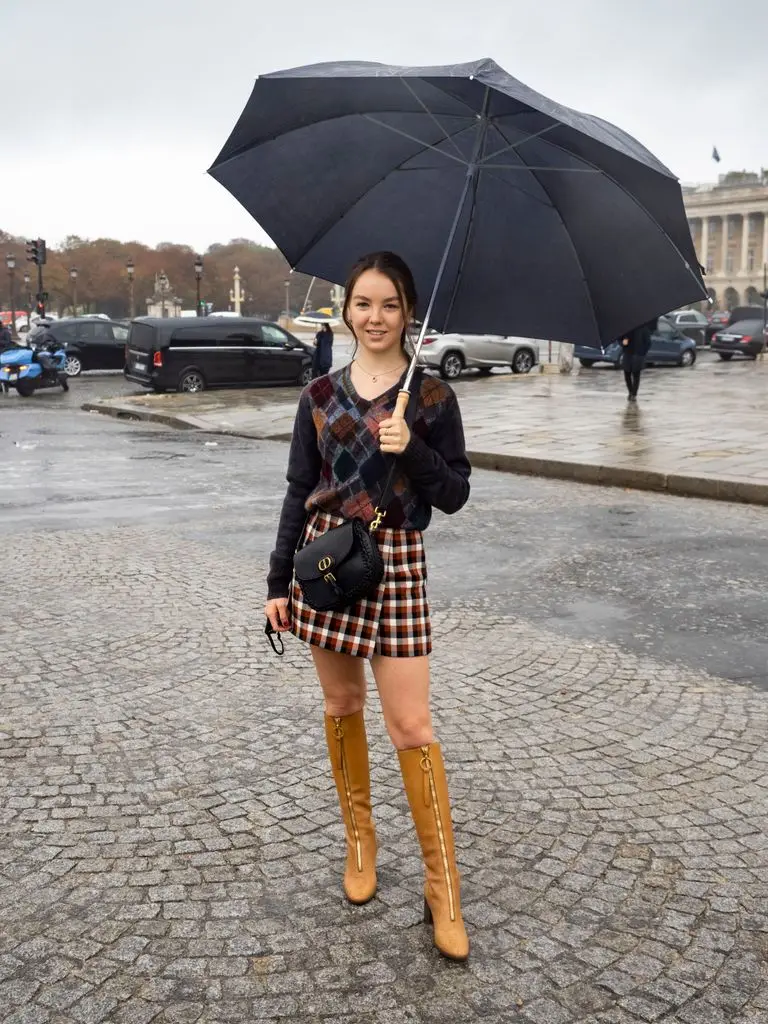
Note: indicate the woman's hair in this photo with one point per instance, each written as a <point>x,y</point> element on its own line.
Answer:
<point>399,273</point>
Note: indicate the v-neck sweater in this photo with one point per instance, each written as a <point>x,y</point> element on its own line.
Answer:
<point>336,465</point>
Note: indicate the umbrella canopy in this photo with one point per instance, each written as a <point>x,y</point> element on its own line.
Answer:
<point>532,218</point>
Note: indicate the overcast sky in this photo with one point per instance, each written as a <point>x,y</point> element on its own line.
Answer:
<point>138,96</point>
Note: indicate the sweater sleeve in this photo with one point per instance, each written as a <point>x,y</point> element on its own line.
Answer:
<point>439,468</point>
<point>304,464</point>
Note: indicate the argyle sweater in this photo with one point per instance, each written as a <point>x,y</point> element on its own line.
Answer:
<point>336,465</point>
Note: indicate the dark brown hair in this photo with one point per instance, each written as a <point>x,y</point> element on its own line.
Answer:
<point>399,273</point>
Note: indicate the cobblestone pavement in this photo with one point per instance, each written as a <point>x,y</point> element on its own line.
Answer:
<point>172,850</point>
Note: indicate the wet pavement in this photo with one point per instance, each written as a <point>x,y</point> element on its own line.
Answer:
<point>171,845</point>
<point>698,431</point>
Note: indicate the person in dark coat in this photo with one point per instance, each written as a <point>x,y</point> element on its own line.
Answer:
<point>6,340</point>
<point>635,347</point>
<point>323,355</point>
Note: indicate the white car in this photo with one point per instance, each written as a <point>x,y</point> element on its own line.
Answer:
<point>451,354</point>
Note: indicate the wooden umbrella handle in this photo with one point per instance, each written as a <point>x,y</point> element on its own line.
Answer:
<point>401,407</point>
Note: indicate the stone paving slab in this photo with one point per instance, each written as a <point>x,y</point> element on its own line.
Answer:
<point>699,432</point>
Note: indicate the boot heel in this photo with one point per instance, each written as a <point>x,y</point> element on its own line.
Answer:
<point>427,912</point>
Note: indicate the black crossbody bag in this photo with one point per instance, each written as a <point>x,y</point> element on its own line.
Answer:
<point>344,565</point>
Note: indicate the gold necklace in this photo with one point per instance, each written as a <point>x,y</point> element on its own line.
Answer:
<point>381,373</point>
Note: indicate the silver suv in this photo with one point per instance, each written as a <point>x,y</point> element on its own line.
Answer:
<point>453,353</point>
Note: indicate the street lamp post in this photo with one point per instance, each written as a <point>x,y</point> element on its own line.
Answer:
<point>130,269</point>
<point>288,300</point>
<point>10,262</point>
<point>27,282</point>
<point>198,276</point>
<point>73,277</point>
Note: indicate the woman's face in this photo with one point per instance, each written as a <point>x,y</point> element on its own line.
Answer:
<point>375,313</point>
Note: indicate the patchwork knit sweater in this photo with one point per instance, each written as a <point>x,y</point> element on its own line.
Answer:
<point>336,465</point>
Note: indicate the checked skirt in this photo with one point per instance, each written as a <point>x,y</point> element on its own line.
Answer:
<point>394,622</point>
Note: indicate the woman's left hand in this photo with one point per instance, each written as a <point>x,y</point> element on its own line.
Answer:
<point>394,436</point>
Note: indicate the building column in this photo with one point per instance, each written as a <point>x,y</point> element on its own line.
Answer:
<point>724,245</point>
<point>704,241</point>
<point>765,240</point>
<point>744,241</point>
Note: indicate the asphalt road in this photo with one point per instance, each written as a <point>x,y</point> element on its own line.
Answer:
<point>680,579</point>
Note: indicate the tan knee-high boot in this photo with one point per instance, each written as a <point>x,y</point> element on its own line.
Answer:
<point>427,790</point>
<point>348,748</point>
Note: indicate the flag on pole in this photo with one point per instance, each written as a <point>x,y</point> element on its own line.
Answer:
<point>715,155</point>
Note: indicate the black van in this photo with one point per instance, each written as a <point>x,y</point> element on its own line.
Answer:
<point>191,353</point>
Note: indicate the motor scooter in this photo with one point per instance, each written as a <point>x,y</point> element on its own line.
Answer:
<point>32,367</point>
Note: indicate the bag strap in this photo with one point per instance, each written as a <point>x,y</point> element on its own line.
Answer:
<point>410,416</point>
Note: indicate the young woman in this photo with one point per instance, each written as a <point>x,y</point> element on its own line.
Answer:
<point>323,355</point>
<point>635,347</point>
<point>344,437</point>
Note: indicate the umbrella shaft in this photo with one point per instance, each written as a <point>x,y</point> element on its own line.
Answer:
<point>471,174</point>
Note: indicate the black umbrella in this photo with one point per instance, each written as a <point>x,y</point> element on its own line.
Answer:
<point>516,215</point>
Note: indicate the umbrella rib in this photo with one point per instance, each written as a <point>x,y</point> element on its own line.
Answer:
<point>530,167</point>
<point>517,188</point>
<point>425,145</point>
<point>427,111</point>
<point>521,142</point>
<point>570,240</point>
<point>634,199</point>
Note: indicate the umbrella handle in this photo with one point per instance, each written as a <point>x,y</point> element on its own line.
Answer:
<point>401,405</point>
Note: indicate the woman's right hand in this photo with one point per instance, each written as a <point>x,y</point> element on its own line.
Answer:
<point>276,611</point>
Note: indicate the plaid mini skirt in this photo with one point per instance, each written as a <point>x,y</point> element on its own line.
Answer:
<point>393,622</point>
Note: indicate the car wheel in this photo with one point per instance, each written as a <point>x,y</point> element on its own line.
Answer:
<point>451,366</point>
<point>726,356</point>
<point>191,381</point>
<point>305,377</point>
<point>523,361</point>
<point>587,362</point>
<point>25,388</point>
<point>74,365</point>
<point>688,358</point>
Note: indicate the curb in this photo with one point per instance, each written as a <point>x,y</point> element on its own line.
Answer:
<point>684,485</point>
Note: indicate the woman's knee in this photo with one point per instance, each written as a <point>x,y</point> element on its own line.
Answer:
<point>410,730</point>
<point>343,682</point>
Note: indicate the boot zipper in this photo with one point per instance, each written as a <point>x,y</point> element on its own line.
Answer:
<point>426,766</point>
<point>348,791</point>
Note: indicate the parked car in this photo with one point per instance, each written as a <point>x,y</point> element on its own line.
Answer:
<point>180,354</point>
<point>90,342</point>
<point>729,317</point>
<point>745,338</point>
<point>692,324</point>
<point>453,353</point>
<point>669,347</point>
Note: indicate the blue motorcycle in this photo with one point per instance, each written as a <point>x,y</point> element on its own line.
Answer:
<point>33,367</point>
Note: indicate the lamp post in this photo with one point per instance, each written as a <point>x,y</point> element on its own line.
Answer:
<point>10,262</point>
<point>198,276</point>
<point>73,278</point>
<point>288,301</point>
<point>163,284</point>
<point>27,282</point>
<point>129,269</point>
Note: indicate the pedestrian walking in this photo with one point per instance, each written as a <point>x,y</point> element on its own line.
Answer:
<point>635,347</point>
<point>322,358</point>
<point>344,438</point>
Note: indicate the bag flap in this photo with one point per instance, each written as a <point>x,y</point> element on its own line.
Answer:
<point>324,554</point>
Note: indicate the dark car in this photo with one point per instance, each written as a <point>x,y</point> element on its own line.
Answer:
<point>669,347</point>
<point>745,338</point>
<point>91,343</point>
<point>191,354</point>
<point>728,318</point>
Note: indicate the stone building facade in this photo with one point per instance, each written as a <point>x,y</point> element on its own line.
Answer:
<point>729,226</point>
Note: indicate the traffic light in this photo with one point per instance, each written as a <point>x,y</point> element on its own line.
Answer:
<point>40,307</point>
<point>36,251</point>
